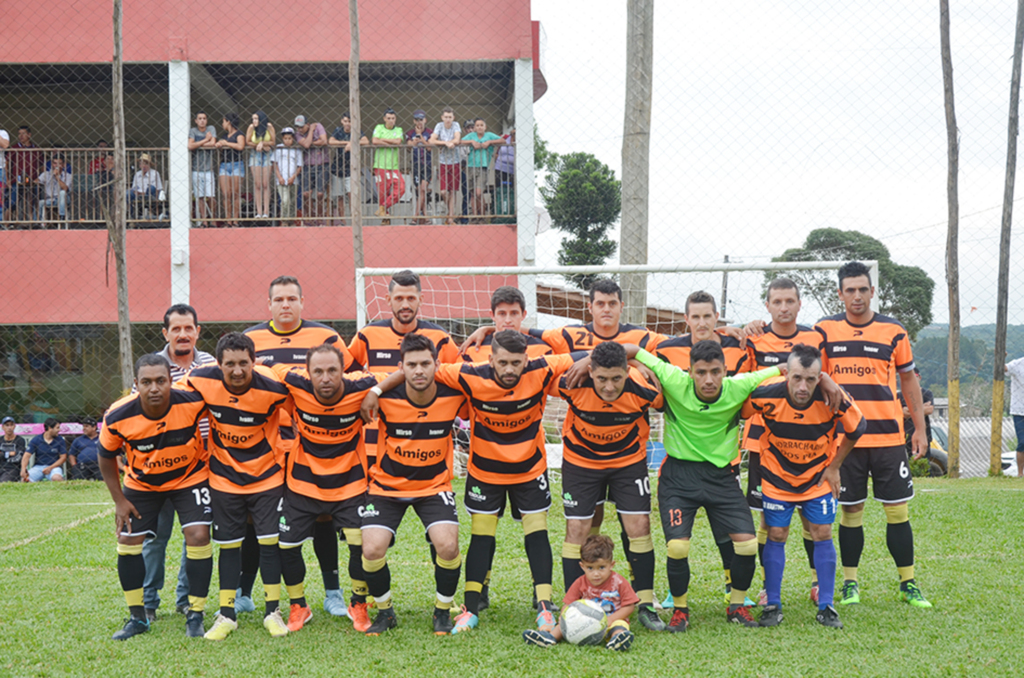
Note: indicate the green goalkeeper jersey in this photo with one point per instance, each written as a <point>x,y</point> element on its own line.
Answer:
<point>696,430</point>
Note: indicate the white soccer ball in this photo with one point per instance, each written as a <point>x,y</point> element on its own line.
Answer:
<point>583,623</point>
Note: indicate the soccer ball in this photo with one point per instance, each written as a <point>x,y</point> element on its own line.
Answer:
<point>583,623</point>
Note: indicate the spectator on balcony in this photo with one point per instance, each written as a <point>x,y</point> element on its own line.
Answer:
<point>202,140</point>
<point>12,449</point>
<point>481,143</point>
<point>504,175</point>
<point>422,170</point>
<point>5,141</point>
<point>24,168</point>
<point>447,136</point>
<point>56,183</point>
<point>101,168</point>
<point>50,452</point>
<point>261,137</point>
<point>83,456</point>
<point>287,166</point>
<point>386,164</point>
<point>341,166</point>
<point>232,168</point>
<point>146,184</point>
<point>312,137</point>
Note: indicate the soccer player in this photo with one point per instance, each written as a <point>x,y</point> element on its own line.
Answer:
<point>800,467</point>
<point>246,477</point>
<point>605,454</point>
<point>507,460</point>
<point>864,351</point>
<point>158,428</point>
<point>326,472</point>
<point>284,340</point>
<point>414,469</point>
<point>377,347</point>
<point>701,439</point>
<point>508,310</point>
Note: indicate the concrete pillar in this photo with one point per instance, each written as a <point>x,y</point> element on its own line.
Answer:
<point>178,177</point>
<point>526,218</point>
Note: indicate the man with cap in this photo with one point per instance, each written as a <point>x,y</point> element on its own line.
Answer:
<point>418,137</point>
<point>12,448</point>
<point>312,137</point>
<point>146,184</point>
<point>84,455</point>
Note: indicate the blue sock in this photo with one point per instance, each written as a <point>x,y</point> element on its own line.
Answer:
<point>825,565</point>
<point>774,562</point>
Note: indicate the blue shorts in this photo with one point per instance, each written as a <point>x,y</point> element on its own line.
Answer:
<point>232,169</point>
<point>1018,426</point>
<point>818,511</point>
<point>261,158</point>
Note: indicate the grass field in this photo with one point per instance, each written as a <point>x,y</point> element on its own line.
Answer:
<point>60,601</point>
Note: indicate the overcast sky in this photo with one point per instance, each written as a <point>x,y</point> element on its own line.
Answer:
<point>773,118</point>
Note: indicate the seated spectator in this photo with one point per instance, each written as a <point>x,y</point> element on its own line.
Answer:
<point>102,166</point>
<point>42,402</point>
<point>56,183</point>
<point>83,457</point>
<point>12,404</point>
<point>287,166</point>
<point>422,169</point>
<point>146,185</point>
<point>12,446</point>
<point>482,144</point>
<point>50,452</point>
<point>24,167</point>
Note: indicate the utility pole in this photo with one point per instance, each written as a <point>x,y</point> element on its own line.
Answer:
<point>725,289</point>
<point>116,222</point>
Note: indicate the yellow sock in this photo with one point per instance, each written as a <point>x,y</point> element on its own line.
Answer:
<point>133,598</point>
<point>227,597</point>
<point>197,604</point>
<point>272,592</point>
<point>679,601</point>
<point>295,591</point>
<point>849,573</point>
<point>906,573</point>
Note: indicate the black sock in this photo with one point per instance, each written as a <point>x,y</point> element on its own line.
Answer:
<point>900,540</point>
<point>478,562</point>
<point>678,571</point>
<point>325,545</point>
<point>538,553</point>
<point>293,570</point>
<point>250,560</point>
<point>199,572</point>
<point>726,551</point>
<point>270,566</point>
<point>131,570</point>
<point>742,571</point>
<point>356,574</point>
<point>760,551</point>
<point>379,582</point>
<point>851,545</point>
<point>809,547</point>
<point>625,549</point>
<point>643,570</point>
<point>447,581</point>
<point>570,571</point>
<point>229,569</point>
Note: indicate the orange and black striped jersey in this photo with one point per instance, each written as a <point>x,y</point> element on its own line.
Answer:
<point>375,348</point>
<point>585,337</point>
<point>415,453</point>
<point>864,360</point>
<point>601,435</point>
<point>798,442</point>
<point>328,461</point>
<point>772,350</point>
<point>244,452</point>
<point>507,436</point>
<point>676,351</point>
<point>535,347</point>
<point>163,454</point>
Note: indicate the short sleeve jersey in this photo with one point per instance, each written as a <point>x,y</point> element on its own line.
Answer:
<point>614,594</point>
<point>798,442</point>
<point>535,347</point>
<point>676,351</point>
<point>415,453</point>
<point>507,439</point>
<point>162,454</point>
<point>386,157</point>
<point>601,435</point>
<point>244,453</point>
<point>584,337</point>
<point>865,360</point>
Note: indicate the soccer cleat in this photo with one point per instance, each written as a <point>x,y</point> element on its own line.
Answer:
<point>274,624</point>
<point>911,593</point>
<point>464,621</point>
<point>243,603</point>
<point>620,641</point>
<point>762,598</point>
<point>334,603</point>
<point>814,593</point>
<point>680,620</point>
<point>150,614</point>
<point>385,620</point>
<point>668,603</point>
<point>771,615</point>
<point>298,616</point>
<point>194,624</point>
<point>442,622</point>
<point>359,616</point>
<point>546,619</point>
<point>132,627</point>
<point>649,618</point>
<point>222,626</point>
<point>485,599</point>
<point>538,638</point>
<point>829,617</point>
<point>182,608</point>
<point>740,614</point>
<point>850,593</point>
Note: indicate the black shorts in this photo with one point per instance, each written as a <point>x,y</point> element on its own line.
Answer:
<point>685,486</point>
<point>629,488</point>
<point>421,172</point>
<point>301,513</point>
<point>231,513</point>
<point>533,496</point>
<point>889,468</point>
<point>754,497</point>
<point>192,504</point>
<point>387,512</point>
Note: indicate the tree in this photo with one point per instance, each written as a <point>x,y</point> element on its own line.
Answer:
<point>542,156</point>
<point>584,199</point>
<point>905,292</point>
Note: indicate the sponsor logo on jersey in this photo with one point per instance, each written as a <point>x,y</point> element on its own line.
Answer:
<point>283,526</point>
<point>476,495</point>
<point>384,355</point>
<point>851,370</point>
<point>567,500</point>
<point>772,506</point>
<point>368,511</point>
<point>797,415</point>
<point>771,359</point>
<point>232,400</point>
<point>285,340</point>
<point>417,454</point>
<point>161,425</point>
<point>857,333</point>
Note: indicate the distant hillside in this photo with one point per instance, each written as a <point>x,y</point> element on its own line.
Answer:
<point>977,343</point>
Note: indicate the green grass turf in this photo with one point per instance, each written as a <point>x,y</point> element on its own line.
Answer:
<point>60,601</point>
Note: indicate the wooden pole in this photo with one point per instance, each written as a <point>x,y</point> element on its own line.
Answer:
<point>952,239</point>
<point>356,179</point>
<point>998,376</point>
<point>116,223</point>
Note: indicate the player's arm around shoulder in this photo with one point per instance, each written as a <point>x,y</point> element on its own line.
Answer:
<point>670,376</point>
<point>751,380</point>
